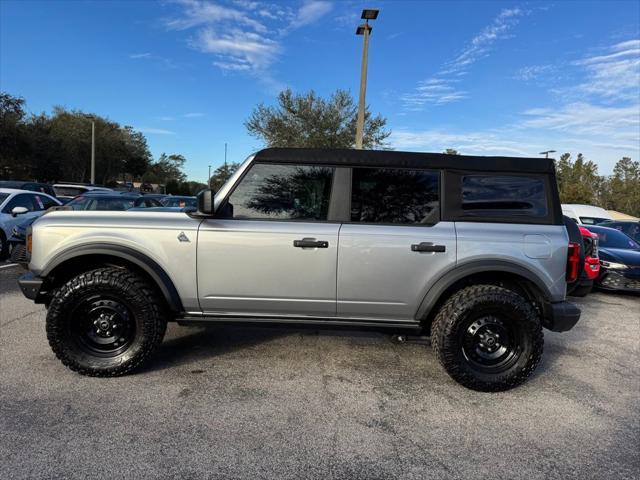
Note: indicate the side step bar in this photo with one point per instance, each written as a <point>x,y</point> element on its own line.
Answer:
<point>298,322</point>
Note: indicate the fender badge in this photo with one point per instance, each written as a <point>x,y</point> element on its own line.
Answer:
<point>183,238</point>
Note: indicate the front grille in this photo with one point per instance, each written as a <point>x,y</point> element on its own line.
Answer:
<point>19,254</point>
<point>619,282</point>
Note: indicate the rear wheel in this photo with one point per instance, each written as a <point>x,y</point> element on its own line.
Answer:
<point>488,338</point>
<point>105,322</point>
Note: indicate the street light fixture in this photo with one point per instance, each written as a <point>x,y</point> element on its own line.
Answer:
<point>365,31</point>
<point>547,152</point>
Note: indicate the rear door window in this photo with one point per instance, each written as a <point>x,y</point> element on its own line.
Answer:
<point>504,196</point>
<point>395,196</point>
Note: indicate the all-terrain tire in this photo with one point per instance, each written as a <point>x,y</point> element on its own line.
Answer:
<point>483,308</point>
<point>114,293</point>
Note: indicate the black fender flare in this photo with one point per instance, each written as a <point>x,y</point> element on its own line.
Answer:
<point>479,266</point>
<point>144,262</point>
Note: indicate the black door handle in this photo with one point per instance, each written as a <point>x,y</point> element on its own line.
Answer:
<point>310,243</point>
<point>427,247</point>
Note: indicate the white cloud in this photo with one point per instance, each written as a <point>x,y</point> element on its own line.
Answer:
<point>162,61</point>
<point>245,35</point>
<point>434,91</point>
<point>310,12</point>
<point>193,115</point>
<point>238,50</point>
<point>440,89</point>
<point>533,72</point>
<point>155,131</point>
<point>614,75</point>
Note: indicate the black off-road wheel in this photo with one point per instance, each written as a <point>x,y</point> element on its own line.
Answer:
<point>105,322</point>
<point>488,338</point>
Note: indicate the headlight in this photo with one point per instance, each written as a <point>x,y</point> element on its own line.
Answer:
<point>613,265</point>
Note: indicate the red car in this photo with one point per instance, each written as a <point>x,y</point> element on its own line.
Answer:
<point>591,264</point>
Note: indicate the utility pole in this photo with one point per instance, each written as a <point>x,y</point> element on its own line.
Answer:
<point>93,151</point>
<point>225,156</point>
<point>209,178</point>
<point>365,30</point>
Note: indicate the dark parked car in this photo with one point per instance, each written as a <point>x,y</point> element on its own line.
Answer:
<point>31,186</point>
<point>17,241</point>
<point>628,227</point>
<point>180,201</point>
<point>619,260</point>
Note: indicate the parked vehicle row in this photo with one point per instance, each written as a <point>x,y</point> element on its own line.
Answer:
<point>22,202</point>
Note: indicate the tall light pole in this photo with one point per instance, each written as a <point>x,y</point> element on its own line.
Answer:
<point>365,30</point>
<point>93,151</point>
<point>209,178</point>
<point>547,152</point>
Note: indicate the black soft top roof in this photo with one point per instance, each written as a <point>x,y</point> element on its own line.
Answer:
<point>396,159</point>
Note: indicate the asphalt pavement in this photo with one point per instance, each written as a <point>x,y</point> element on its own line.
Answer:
<point>239,402</point>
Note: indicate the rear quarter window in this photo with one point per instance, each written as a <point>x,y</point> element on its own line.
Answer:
<point>504,196</point>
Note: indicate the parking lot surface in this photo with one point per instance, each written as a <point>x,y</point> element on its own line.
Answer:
<point>239,402</point>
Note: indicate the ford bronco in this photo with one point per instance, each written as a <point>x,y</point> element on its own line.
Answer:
<point>471,251</point>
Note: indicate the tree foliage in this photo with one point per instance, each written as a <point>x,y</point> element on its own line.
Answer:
<point>222,174</point>
<point>307,120</point>
<point>579,182</point>
<point>57,147</point>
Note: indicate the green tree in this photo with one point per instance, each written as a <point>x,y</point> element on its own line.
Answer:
<point>221,175</point>
<point>578,181</point>
<point>451,151</point>
<point>622,189</point>
<point>12,135</point>
<point>166,169</point>
<point>307,120</point>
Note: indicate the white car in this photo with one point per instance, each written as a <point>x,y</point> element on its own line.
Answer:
<point>585,214</point>
<point>18,205</point>
<point>67,191</point>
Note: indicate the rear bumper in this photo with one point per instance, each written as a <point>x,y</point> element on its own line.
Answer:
<point>562,316</point>
<point>31,285</point>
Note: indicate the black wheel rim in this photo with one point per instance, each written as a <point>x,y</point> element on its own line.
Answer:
<point>102,326</point>
<point>491,343</point>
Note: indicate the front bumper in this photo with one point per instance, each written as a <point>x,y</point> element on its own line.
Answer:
<point>624,280</point>
<point>562,316</point>
<point>31,286</point>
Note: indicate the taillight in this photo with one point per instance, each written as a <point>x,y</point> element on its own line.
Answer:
<point>573,262</point>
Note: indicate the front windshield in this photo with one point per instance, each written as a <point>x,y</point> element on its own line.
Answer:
<point>610,238</point>
<point>101,204</point>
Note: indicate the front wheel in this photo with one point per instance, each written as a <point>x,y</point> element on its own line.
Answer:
<point>105,322</point>
<point>488,338</point>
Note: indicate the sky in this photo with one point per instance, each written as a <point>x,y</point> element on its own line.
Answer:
<point>482,77</point>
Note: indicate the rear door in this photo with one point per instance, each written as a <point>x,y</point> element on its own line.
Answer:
<point>395,245</point>
<point>275,252</point>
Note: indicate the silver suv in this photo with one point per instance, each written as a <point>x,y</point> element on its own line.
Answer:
<point>469,250</point>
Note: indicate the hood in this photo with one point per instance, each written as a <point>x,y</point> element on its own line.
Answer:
<point>631,258</point>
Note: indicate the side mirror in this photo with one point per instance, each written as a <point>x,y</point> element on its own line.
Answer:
<point>205,202</point>
<point>18,211</point>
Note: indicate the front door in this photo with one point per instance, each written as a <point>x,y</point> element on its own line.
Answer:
<point>275,252</point>
<point>395,245</point>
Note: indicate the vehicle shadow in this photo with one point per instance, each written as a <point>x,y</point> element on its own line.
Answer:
<point>187,345</point>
